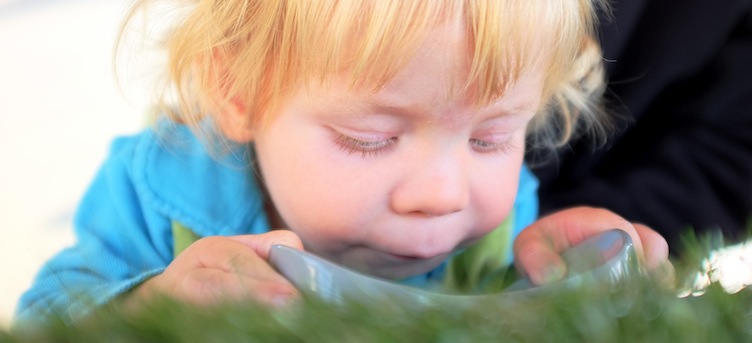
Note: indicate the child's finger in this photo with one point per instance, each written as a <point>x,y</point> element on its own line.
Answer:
<point>654,246</point>
<point>656,252</point>
<point>211,286</point>
<point>263,243</point>
<point>536,257</point>
<point>537,247</point>
<point>243,255</point>
<point>229,267</point>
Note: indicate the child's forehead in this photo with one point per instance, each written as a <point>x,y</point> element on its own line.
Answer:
<point>375,40</point>
<point>434,77</point>
<point>487,55</point>
<point>418,100</point>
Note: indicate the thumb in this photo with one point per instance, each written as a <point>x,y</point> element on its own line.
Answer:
<point>536,256</point>
<point>262,243</point>
<point>537,248</point>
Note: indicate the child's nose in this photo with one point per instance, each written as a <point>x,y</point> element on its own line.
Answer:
<point>433,187</point>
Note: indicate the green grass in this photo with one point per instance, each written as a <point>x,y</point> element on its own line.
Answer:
<point>638,311</point>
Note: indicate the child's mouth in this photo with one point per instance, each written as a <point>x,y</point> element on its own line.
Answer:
<point>407,257</point>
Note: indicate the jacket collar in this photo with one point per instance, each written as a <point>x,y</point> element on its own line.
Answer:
<point>211,191</point>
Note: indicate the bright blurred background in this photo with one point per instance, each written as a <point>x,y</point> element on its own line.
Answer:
<point>59,109</point>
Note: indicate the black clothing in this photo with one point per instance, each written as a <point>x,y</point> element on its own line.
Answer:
<point>683,71</point>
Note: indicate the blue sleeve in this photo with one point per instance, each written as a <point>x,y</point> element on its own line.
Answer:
<point>525,210</point>
<point>114,250</point>
<point>526,203</point>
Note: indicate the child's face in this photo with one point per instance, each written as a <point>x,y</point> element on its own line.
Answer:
<point>392,182</point>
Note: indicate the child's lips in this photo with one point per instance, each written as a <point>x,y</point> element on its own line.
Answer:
<point>407,257</point>
<point>416,258</point>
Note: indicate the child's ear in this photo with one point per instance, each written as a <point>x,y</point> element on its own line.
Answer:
<point>232,117</point>
<point>235,122</point>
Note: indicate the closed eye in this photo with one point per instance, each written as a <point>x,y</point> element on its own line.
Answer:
<point>491,146</point>
<point>365,148</point>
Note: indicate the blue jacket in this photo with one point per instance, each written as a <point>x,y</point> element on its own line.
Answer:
<point>150,181</point>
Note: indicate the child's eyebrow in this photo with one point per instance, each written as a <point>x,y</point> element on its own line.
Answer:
<point>385,103</point>
<point>502,107</point>
<point>387,107</point>
<point>369,105</point>
<point>378,111</point>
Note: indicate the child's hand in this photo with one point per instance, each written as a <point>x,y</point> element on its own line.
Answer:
<point>216,269</point>
<point>537,248</point>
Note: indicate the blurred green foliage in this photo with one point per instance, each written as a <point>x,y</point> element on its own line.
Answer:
<point>638,310</point>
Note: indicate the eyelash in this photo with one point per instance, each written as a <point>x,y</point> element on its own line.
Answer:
<point>365,148</point>
<point>482,146</point>
<point>374,148</point>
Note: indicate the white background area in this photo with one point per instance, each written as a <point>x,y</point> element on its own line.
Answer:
<point>59,109</point>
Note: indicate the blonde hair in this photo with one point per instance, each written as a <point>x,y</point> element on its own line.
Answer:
<point>259,51</point>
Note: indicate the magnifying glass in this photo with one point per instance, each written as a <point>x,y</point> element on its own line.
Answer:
<point>608,258</point>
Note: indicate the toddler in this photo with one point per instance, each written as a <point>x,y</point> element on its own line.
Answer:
<point>385,135</point>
